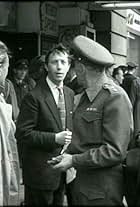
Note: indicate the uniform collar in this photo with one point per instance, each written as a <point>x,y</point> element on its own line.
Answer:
<point>93,91</point>
<point>18,82</point>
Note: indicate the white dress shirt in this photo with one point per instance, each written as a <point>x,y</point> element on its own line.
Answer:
<point>70,173</point>
<point>54,89</point>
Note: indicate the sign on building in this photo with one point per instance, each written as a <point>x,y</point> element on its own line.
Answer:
<point>7,15</point>
<point>48,19</point>
<point>133,20</point>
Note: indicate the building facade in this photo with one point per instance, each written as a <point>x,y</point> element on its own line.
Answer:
<point>133,43</point>
<point>31,28</point>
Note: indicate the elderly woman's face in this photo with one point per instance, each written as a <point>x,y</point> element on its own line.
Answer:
<point>4,64</point>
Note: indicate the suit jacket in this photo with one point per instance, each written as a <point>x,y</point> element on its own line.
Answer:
<point>37,124</point>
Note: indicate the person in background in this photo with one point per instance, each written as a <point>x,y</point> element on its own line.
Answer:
<point>102,130</point>
<point>44,129</point>
<point>37,68</point>
<point>124,68</point>
<point>129,77</point>
<point>132,84</point>
<point>135,100</point>
<point>21,80</point>
<point>118,75</point>
<point>109,70</point>
<point>132,177</point>
<point>9,165</point>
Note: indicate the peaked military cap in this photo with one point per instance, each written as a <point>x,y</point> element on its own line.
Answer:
<point>22,64</point>
<point>131,65</point>
<point>92,51</point>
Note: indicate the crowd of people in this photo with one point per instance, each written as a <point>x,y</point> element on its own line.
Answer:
<point>68,120</point>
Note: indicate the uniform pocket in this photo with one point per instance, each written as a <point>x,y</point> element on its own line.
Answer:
<point>92,122</point>
<point>92,116</point>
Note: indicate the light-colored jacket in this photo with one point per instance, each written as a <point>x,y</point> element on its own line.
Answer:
<point>9,166</point>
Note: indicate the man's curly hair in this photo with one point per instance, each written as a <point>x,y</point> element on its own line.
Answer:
<point>57,49</point>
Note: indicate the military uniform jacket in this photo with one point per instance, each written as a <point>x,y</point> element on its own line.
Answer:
<point>37,124</point>
<point>23,88</point>
<point>102,129</point>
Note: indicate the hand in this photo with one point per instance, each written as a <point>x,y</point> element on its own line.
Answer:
<point>65,163</point>
<point>63,137</point>
<point>55,160</point>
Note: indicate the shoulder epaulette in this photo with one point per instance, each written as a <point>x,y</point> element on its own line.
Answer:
<point>110,87</point>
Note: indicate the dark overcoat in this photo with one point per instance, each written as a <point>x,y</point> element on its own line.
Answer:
<point>135,100</point>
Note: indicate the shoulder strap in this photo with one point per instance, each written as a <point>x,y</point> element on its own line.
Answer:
<point>101,98</point>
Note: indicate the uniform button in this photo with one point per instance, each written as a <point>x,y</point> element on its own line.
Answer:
<point>114,89</point>
<point>105,86</point>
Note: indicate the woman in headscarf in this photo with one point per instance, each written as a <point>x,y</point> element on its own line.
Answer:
<point>9,165</point>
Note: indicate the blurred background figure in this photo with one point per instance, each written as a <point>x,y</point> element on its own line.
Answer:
<point>37,68</point>
<point>135,100</point>
<point>9,165</point>
<point>124,68</point>
<point>118,75</point>
<point>109,70</point>
<point>21,80</point>
<point>129,77</point>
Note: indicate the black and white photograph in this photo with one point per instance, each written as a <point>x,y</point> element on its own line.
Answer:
<point>70,103</point>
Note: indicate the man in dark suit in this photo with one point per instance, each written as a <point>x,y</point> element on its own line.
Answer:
<point>102,128</point>
<point>40,133</point>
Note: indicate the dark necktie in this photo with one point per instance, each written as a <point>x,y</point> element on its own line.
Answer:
<point>61,107</point>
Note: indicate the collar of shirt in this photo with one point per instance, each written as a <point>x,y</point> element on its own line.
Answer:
<point>54,89</point>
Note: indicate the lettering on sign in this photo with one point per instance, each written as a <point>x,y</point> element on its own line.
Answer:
<point>49,12</point>
<point>133,20</point>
